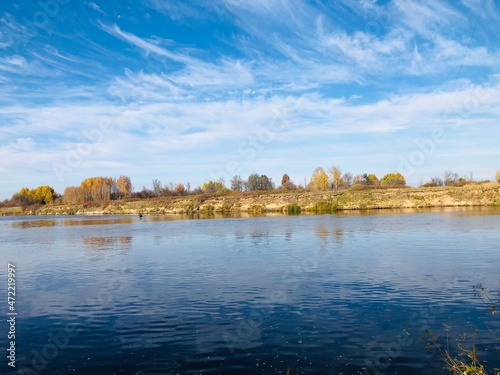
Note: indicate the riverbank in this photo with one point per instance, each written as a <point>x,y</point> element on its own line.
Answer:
<point>282,201</point>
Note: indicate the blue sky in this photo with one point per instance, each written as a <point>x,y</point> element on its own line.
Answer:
<point>187,91</point>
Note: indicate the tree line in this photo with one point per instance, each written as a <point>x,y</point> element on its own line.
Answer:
<point>335,179</point>
<point>108,188</point>
<point>98,189</point>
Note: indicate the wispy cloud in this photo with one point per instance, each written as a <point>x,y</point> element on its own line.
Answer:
<point>198,73</point>
<point>427,17</point>
<point>147,46</point>
<point>96,7</point>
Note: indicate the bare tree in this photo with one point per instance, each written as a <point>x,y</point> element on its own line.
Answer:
<point>437,181</point>
<point>347,178</point>
<point>237,183</point>
<point>450,177</point>
<point>156,185</point>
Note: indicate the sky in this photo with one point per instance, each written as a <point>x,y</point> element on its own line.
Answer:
<point>190,91</point>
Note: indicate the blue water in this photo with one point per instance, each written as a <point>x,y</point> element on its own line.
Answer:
<point>348,293</point>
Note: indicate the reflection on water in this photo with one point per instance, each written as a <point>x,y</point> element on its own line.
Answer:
<point>324,294</point>
<point>37,222</point>
<point>98,221</point>
<point>326,234</point>
<point>25,224</point>
<point>99,243</point>
<point>98,247</point>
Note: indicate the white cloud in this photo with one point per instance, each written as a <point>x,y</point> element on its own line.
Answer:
<point>166,131</point>
<point>146,46</point>
<point>427,17</point>
<point>96,7</point>
<point>340,81</point>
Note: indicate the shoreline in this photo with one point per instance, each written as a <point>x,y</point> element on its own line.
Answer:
<point>288,202</point>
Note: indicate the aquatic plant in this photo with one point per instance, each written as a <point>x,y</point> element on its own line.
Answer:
<point>466,362</point>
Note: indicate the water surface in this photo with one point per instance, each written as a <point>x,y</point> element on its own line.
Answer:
<point>348,293</point>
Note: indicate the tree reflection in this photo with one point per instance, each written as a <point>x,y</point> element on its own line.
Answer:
<point>39,223</point>
<point>325,235</point>
<point>99,247</point>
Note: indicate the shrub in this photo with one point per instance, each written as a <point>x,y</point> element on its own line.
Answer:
<point>324,206</point>
<point>292,209</point>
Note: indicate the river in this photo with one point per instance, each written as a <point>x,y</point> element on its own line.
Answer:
<point>347,293</point>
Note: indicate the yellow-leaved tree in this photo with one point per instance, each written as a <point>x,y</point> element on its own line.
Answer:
<point>39,195</point>
<point>372,179</point>
<point>319,180</point>
<point>396,179</point>
<point>336,177</point>
<point>124,186</point>
<point>213,187</point>
<point>98,188</point>
<point>73,195</point>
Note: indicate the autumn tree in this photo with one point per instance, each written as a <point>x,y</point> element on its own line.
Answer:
<point>497,176</point>
<point>212,187</point>
<point>73,195</point>
<point>180,189</point>
<point>372,179</point>
<point>98,188</point>
<point>319,180</point>
<point>336,177</point>
<point>285,182</point>
<point>22,197</point>
<point>395,179</point>
<point>366,179</point>
<point>39,195</point>
<point>124,186</point>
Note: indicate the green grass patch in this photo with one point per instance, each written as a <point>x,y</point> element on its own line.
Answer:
<point>292,209</point>
<point>324,207</point>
